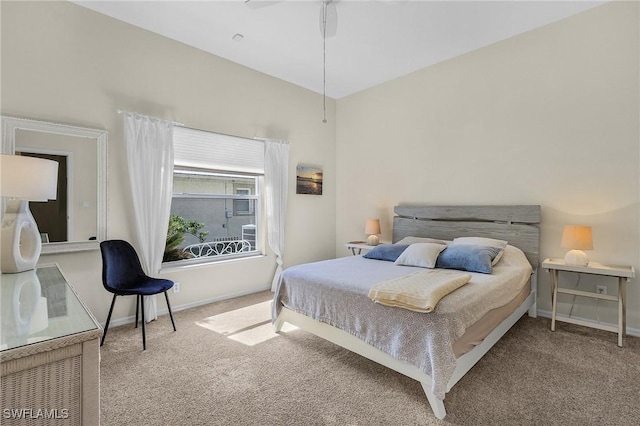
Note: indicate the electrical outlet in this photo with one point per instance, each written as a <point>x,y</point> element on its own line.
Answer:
<point>176,287</point>
<point>601,289</point>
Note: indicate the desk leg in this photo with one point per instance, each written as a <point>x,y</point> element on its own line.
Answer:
<point>554,297</point>
<point>622,309</point>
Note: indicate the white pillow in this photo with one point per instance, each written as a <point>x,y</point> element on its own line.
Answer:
<point>481,241</point>
<point>423,255</point>
<point>414,240</point>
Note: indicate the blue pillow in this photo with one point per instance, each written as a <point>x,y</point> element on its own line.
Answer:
<point>469,258</point>
<point>389,252</point>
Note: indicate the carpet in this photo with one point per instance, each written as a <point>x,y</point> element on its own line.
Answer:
<point>225,366</point>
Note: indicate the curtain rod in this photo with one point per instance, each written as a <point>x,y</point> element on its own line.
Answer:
<point>175,123</point>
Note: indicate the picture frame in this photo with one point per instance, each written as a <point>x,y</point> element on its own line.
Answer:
<point>309,179</point>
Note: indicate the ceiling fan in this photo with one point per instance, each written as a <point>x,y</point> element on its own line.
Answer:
<point>328,19</point>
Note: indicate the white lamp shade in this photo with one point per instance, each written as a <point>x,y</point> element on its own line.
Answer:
<point>372,227</point>
<point>576,237</point>
<point>28,178</point>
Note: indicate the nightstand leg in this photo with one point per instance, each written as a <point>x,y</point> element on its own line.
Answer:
<point>623,283</point>
<point>622,314</point>
<point>554,298</point>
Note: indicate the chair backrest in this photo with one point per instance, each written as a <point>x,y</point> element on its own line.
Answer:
<point>120,265</point>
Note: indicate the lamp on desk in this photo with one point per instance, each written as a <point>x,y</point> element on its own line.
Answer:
<point>23,179</point>
<point>577,238</point>
<point>372,229</point>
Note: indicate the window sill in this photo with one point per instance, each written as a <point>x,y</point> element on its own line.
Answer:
<point>205,262</point>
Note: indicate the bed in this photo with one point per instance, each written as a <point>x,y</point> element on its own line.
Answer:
<point>331,298</point>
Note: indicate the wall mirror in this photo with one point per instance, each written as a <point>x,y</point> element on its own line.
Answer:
<point>76,219</point>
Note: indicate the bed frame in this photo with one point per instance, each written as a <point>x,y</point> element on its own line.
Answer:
<point>517,224</point>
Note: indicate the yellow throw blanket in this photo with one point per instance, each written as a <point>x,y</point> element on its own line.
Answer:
<point>420,291</point>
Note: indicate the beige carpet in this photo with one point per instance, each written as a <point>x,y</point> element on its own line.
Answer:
<point>224,366</point>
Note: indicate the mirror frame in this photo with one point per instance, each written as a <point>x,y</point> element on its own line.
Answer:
<point>9,127</point>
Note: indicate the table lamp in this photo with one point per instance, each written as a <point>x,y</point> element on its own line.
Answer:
<point>23,179</point>
<point>372,229</point>
<point>577,238</point>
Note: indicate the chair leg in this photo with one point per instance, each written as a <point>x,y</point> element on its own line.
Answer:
<point>137,306</point>
<point>106,326</point>
<point>144,337</point>
<point>166,296</point>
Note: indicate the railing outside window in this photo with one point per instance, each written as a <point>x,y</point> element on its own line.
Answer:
<point>217,248</point>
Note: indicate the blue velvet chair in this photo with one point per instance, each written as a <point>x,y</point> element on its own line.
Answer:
<point>122,275</point>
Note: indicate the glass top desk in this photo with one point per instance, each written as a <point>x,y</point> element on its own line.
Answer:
<point>49,350</point>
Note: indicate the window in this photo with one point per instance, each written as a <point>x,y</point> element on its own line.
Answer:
<point>216,196</point>
<point>243,206</point>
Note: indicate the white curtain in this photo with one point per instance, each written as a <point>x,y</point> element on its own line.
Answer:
<point>149,143</point>
<point>276,176</point>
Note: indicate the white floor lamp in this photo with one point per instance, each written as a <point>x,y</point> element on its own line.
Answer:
<point>23,179</point>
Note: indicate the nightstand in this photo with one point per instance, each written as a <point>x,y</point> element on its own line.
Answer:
<point>622,273</point>
<point>358,245</point>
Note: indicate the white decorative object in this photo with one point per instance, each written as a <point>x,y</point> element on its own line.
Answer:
<point>26,306</point>
<point>577,238</point>
<point>372,229</point>
<point>23,179</point>
<point>576,257</point>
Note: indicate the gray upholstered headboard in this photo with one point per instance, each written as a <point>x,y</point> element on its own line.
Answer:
<point>518,224</point>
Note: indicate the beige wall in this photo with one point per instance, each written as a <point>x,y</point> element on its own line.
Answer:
<point>549,117</point>
<point>64,63</point>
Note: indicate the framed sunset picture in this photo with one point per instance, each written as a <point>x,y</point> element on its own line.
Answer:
<point>308,180</point>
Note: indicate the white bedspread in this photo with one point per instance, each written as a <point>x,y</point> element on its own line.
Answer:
<point>336,292</point>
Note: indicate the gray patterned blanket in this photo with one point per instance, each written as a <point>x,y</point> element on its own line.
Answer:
<point>335,292</point>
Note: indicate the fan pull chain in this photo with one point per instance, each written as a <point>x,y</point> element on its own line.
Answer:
<point>324,61</point>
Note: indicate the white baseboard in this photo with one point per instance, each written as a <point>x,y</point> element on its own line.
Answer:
<point>630,331</point>
<point>130,319</point>
<point>164,311</point>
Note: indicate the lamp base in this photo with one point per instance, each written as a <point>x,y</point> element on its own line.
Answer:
<point>25,311</point>
<point>576,258</point>
<point>373,240</point>
<point>21,242</point>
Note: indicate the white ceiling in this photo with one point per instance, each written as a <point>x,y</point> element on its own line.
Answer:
<point>376,41</point>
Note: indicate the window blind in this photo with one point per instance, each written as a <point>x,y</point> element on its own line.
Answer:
<point>208,150</point>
